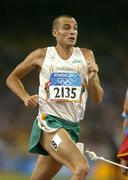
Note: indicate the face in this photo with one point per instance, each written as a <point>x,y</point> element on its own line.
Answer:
<point>66,32</point>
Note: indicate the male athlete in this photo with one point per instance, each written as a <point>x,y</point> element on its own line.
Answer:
<point>67,75</point>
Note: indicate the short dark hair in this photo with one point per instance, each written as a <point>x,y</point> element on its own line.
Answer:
<point>55,21</point>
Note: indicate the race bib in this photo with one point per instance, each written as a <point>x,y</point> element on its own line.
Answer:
<point>65,86</point>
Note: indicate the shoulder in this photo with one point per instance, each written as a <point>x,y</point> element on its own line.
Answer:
<point>37,56</point>
<point>87,53</point>
<point>85,50</point>
<point>40,52</point>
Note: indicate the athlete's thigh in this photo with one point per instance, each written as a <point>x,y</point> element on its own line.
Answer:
<point>62,148</point>
<point>46,167</point>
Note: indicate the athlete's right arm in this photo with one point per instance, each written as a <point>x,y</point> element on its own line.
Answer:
<point>33,60</point>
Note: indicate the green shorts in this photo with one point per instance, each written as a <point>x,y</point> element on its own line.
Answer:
<point>73,129</point>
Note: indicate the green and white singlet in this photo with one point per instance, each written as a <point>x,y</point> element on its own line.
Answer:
<point>63,85</point>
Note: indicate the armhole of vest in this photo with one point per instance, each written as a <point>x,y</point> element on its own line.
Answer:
<point>83,58</point>
<point>47,50</point>
<point>44,60</point>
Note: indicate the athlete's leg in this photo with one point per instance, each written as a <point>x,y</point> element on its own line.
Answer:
<point>46,167</point>
<point>64,150</point>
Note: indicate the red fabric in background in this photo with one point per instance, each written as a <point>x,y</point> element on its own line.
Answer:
<point>123,150</point>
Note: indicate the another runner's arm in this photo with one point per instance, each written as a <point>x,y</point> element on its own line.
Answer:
<point>13,81</point>
<point>125,117</point>
<point>95,89</point>
<point>126,102</point>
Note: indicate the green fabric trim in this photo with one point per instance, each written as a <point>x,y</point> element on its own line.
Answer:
<point>72,128</point>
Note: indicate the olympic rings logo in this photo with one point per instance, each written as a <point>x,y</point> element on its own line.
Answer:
<point>65,81</point>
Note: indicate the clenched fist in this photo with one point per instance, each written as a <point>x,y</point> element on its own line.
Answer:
<point>92,69</point>
<point>31,101</point>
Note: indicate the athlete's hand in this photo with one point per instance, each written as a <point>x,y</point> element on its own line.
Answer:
<point>92,69</point>
<point>123,170</point>
<point>31,101</point>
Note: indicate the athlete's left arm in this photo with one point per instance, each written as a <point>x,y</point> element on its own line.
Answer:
<point>94,86</point>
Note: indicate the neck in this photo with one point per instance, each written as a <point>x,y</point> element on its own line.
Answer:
<point>64,52</point>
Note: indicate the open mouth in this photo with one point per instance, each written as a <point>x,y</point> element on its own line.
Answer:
<point>72,38</point>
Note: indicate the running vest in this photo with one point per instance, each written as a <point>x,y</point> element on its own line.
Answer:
<point>63,85</point>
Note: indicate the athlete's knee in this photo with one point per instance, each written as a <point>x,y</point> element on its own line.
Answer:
<point>81,169</point>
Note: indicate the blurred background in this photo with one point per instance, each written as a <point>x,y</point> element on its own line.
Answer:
<point>26,26</point>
